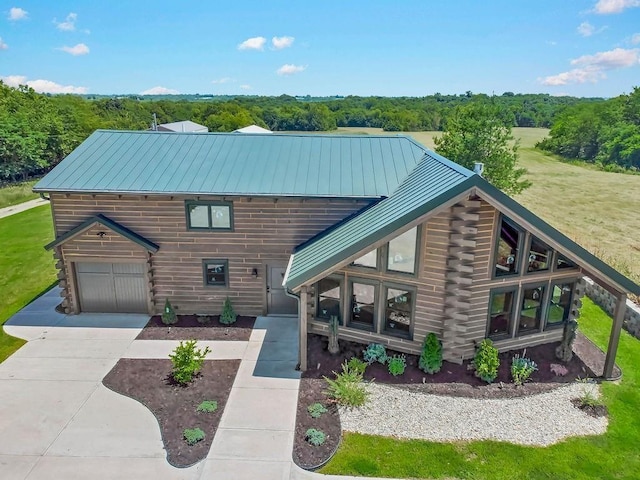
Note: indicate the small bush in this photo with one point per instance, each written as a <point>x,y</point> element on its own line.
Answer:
<point>397,365</point>
<point>228,314</point>
<point>315,437</point>
<point>375,352</point>
<point>193,435</point>
<point>169,316</point>
<point>208,406</point>
<point>316,410</point>
<point>431,357</point>
<point>347,389</point>
<point>521,369</point>
<point>187,360</point>
<point>356,365</point>
<point>486,361</point>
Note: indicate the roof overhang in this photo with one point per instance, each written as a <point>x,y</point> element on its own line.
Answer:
<point>111,225</point>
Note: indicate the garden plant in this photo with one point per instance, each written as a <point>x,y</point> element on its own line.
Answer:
<point>347,388</point>
<point>486,361</point>
<point>521,369</point>
<point>375,352</point>
<point>169,316</point>
<point>431,357</point>
<point>397,364</point>
<point>228,314</point>
<point>187,360</point>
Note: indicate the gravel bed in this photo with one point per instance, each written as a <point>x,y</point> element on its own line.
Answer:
<point>542,419</point>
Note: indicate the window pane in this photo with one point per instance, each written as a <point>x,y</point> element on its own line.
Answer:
<point>328,298</point>
<point>216,273</point>
<point>539,256</point>
<point>559,304</point>
<point>362,304</point>
<point>501,313</point>
<point>368,260</point>
<point>220,216</point>
<point>198,216</point>
<point>507,257</point>
<point>564,262</point>
<point>402,252</point>
<point>531,311</point>
<point>398,311</point>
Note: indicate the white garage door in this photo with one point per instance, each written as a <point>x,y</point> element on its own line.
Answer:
<point>112,287</point>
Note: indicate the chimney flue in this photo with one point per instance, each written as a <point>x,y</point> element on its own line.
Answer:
<point>478,168</point>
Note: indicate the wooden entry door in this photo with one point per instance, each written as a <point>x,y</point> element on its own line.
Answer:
<point>278,302</point>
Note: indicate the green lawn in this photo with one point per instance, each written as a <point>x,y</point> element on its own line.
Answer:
<point>614,455</point>
<point>26,268</point>
<point>18,193</point>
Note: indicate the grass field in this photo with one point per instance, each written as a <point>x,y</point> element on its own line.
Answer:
<point>599,210</point>
<point>18,193</point>
<point>26,268</point>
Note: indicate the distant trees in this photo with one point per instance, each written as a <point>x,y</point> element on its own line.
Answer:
<point>477,132</point>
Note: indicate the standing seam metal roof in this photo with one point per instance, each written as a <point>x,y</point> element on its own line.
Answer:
<point>363,166</point>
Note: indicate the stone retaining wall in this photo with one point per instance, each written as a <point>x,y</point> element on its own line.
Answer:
<point>607,301</point>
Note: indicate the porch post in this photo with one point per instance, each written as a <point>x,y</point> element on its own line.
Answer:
<point>302,354</point>
<point>616,327</point>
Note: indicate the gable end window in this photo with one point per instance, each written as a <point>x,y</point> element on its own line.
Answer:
<point>209,215</point>
<point>216,272</point>
<point>508,247</point>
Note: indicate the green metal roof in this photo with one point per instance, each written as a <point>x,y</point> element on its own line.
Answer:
<point>111,225</point>
<point>363,166</point>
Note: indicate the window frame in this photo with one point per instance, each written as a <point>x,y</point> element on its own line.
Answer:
<point>340,279</point>
<point>569,268</point>
<point>208,204</point>
<point>514,312</point>
<point>205,264</point>
<point>365,268</point>
<point>383,312</point>
<point>543,308</point>
<point>376,307</point>
<point>518,259</point>
<point>553,284</point>
<point>551,256</point>
<point>416,255</point>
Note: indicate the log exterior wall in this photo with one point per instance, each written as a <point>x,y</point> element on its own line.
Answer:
<point>265,232</point>
<point>439,264</point>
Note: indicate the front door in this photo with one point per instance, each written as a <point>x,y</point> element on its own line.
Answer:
<point>278,302</point>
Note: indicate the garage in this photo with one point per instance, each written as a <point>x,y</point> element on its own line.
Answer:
<point>112,287</point>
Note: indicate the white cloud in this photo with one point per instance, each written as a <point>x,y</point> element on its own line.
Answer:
<point>586,29</point>
<point>605,7</point>
<point>42,86</point>
<point>160,91</point>
<point>254,43</point>
<point>290,69</point>
<point>635,38</point>
<point>222,80</point>
<point>245,87</point>
<point>592,68</point>
<point>16,13</point>
<point>3,46</point>
<point>69,23</point>
<point>282,42</point>
<point>79,49</point>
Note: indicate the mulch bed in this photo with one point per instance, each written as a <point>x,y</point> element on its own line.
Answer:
<point>149,381</point>
<point>453,380</point>
<point>189,328</point>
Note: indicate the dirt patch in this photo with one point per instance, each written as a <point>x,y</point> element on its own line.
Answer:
<point>595,411</point>
<point>149,381</point>
<point>304,454</point>
<point>189,327</point>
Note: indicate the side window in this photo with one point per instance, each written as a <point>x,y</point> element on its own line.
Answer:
<point>559,304</point>
<point>508,249</point>
<point>401,255</point>
<point>369,260</point>
<point>398,311</point>
<point>531,309</point>
<point>209,215</point>
<point>501,312</point>
<point>362,310</point>
<point>329,291</point>
<point>540,256</point>
<point>216,272</point>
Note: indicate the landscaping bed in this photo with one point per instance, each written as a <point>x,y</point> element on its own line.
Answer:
<point>192,327</point>
<point>149,381</point>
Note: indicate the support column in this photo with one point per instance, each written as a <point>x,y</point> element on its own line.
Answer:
<point>302,355</point>
<point>614,338</point>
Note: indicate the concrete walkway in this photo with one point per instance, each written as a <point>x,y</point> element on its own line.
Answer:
<point>21,207</point>
<point>59,421</point>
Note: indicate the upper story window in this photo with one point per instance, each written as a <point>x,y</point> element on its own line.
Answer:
<point>540,255</point>
<point>509,241</point>
<point>369,260</point>
<point>564,262</point>
<point>209,215</point>
<point>401,255</point>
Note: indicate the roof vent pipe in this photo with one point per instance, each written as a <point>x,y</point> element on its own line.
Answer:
<point>478,168</point>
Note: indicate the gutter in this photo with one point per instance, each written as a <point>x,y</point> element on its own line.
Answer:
<point>44,197</point>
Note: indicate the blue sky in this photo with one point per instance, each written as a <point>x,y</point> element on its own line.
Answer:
<point>332,47</point>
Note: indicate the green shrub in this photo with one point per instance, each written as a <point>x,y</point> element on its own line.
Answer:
<point>315,437</point>
<point>521,369</point>
<point>316,410</point>
<point>486,361</point>
<point>169,316</point>
<point>228,314</point>
<point>208,406</point>
<point>375,352</point>
<point>187,361</point>
<point>431,357</point>
<point>397,365</point>
<point>356,365</point>
<point>193,435</point>
<point>347,389</point>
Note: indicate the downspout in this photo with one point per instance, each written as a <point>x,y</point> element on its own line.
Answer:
<point>289,293</point>
<point>44,197</point>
